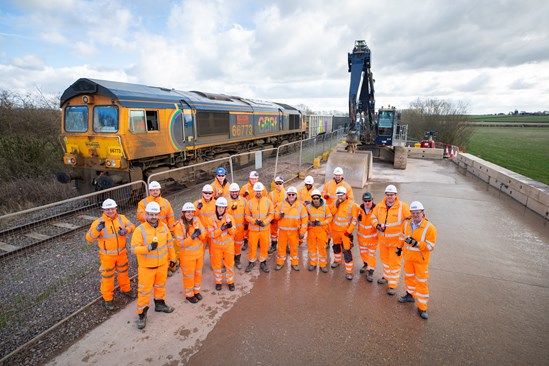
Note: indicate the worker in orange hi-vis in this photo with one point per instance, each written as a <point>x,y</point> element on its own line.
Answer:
<point>304,195</point>
<point>205,210</point>
<point>110,231</point>
<point>276,196</point>
<point>367,235</point>
<point>152,243</point>
<point>259,214</point>
<point>320,218</point>
<point>220,184</point>
<point>391,214</point>
<point>419,238</point>
<point>222,252</point>
<point>166,215</point>
<point>292,221</point>
<point>331,186</point>
<point>190,235</point>
<point>237,208</point>
<point>247,190</point>
<point>344,212</point>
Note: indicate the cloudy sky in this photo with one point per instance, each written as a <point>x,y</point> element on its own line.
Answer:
<point>491,54</point>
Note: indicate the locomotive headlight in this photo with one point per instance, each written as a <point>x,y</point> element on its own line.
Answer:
<point>108,163</point>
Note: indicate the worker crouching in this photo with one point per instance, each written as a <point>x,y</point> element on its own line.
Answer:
<point>190,235</point>
<point>344,212</point>
<point>152,243</point>
<point>222,244</point>
<point>320,218</point>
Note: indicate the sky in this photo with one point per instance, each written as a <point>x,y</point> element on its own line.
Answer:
<point>492,55</point>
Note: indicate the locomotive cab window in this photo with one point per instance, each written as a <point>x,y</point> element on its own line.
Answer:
<point>138,121</point>
<point>152,120</point>
<point>76,119</point>
<point>105,119</point>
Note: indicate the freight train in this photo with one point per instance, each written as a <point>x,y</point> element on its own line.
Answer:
<point>114,133</point>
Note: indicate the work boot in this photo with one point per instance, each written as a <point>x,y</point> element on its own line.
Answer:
<point>109,305</point>
<point>295,267</point>
<point>311,267</point>
<point>391,291</point>
<point>263,266</point>
<point>364,268</point>
<point>273,247</point>
<point>370,275</point>
<point>231,287</point>
<point>192,299</point>
<point>324,269</point>
<point>129,294</point>
<point>279,267</point>
<point>245,246</point>
<point>160,306</point>
<point>382,281</point>
<point>198,296</point>
<point>251,266</point>
<point>406,298</point>
<point>170,273</point>
<point>335,265</point>
<point>237,263</point>
<point>349,276</point>
<point>423,314</point>
<point>218,287</point>
<point>287,249</point>
<point>142,320</point>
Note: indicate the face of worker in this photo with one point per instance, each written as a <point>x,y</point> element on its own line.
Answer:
<point>188,215</point>
<point>316,200</point>
<point>258,194</point>
<point>207,196</point>
<point>253,180</point>
<point>220,178</point>
<point>234,194</point>
<point>342,197</point>
<point>110,212</point>
<point>391,198</point>
<point>154,192</point>
<point>417,216</point>
<point>220,210</point>
<point>279,186</point>
<point>309,186</point>
<point>338,177</point>
<point>368,203</point>
<point>292,197</point>
<point>152,218</point>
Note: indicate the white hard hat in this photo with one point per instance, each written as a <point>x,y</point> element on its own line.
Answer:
<point>254,174</point>
<point>152,207</point>
<point>279,179</point>
<point>391,189</point>
<point>207,188</point>
<point>154,185</point>
<point>259,187</point>
<point>221,202</point>
<point>234,187</point>
<point>416,206</point>
<point>338,171</point>
<point>309,180</point>
<point>291,190</point>
<point>108,203</point>
<point>316,192</point>
<point>188,206</point>
<point>341,190</point>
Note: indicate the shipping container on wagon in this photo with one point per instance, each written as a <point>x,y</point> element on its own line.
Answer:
<point>340,122</point>
<point>318,125</point>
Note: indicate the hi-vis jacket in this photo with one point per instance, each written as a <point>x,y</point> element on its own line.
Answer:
<point>222,237</point>
<point>330,188</point>
<point>304,194</point>
<point>393,218</point>
<point>108,240</point>
<point>190,248</point>
<point>259,209</point>
<point>237,209</point>
<point>220,190</point>
<point>344,216</point>
<point>277,197</point>
<point>166,212</point>
<point>204,211</point>
<point>367,232</point>
<point>295,216</point>
<point>321,213</point>
<point>248,193</point>
<point>143,236</point>
<point>426,236</point>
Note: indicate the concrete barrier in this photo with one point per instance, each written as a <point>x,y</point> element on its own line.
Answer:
<point>424,153</point>
<point>529,192</point>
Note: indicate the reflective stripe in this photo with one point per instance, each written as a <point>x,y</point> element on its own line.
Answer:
<point>110,252</point>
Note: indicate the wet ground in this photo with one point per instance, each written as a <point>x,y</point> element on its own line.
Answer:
<point>488,283</point>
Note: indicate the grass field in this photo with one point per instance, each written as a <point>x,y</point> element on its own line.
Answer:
<point>523,150</point>
<point>510,119</point>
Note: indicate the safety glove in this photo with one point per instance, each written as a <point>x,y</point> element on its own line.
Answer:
<point>172,264</point>
<point>359,217</point>
<point>234,206</point>
<point>196,233</point>
<point>301,236</point>
<point>398,252</point>
<point>411,241</point>
<point>245,194</point>
<point>199,206</point>
<point>100,226</point>
<point>307,202</point>
<point>281,215</point>
<point>154,244</point>
<point>380,228</point>
<point>122,232</point>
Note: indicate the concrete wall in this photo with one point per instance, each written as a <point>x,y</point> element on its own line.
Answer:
<point>424,153</point>
<point>531,193</point>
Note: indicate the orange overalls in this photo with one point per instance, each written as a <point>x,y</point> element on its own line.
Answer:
<point>317,235</point>
<point>343,222</point>
<point>152,266</point>
<point>237,210</point>
<point>220,190</point>
<point>166,214</point>
<point>393,218</point>
<point>416,260</point>
<point>112,253</point>
<point>330,188</point>
<point>259,209</point>
<point>276,198</point>
<point>304,195</point>
<point>367,237</point>
<point>191,255</point>
<point>293,227</point>
<point>222,249</point>
<point>205,211</point>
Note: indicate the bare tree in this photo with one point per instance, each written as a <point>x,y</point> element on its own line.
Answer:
<point>449,120</point>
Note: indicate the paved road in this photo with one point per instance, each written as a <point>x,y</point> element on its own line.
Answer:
<point>489,298</point>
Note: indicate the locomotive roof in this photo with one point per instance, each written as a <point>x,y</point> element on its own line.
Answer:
<point>136,95</point>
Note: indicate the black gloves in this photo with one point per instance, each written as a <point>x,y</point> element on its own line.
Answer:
<point>196,233</point>
<point>172,264</point>
<point>245,194</point>
<point>199,206</point>
<point>398,252</point>
<point>234,206</point>
<point>100,226</point>
<point>411,241</point>
<point>316,223</point>
<point>306,202</point>
<point>153,245</point>
<point>259,223</point>
<point>281,215</point>
<point>122,232</point>
<point>380,228</point>
<point>246,226</point>
<point>301,236</point>
<point>359,217</point>
<point>226,226</point>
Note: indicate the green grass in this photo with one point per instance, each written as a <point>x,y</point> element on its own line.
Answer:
<point>524,150</point>
<point>510,119</point>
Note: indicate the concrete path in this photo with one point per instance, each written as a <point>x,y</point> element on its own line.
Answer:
<point>489,298</point>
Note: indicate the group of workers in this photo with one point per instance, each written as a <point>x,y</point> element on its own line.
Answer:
<point>229,219</point>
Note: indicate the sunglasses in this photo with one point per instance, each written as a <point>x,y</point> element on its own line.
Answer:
<point>279,183</point>
<point>291,194</point>
<point>367,200</point>
<point>221,175</point>
<point>207,192</point>
<point>316,198</point>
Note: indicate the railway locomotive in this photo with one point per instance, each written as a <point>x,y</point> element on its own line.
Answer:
<point>115,133</point>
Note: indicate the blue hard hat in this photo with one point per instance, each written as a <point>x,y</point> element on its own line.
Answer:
<point>220,171</point>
